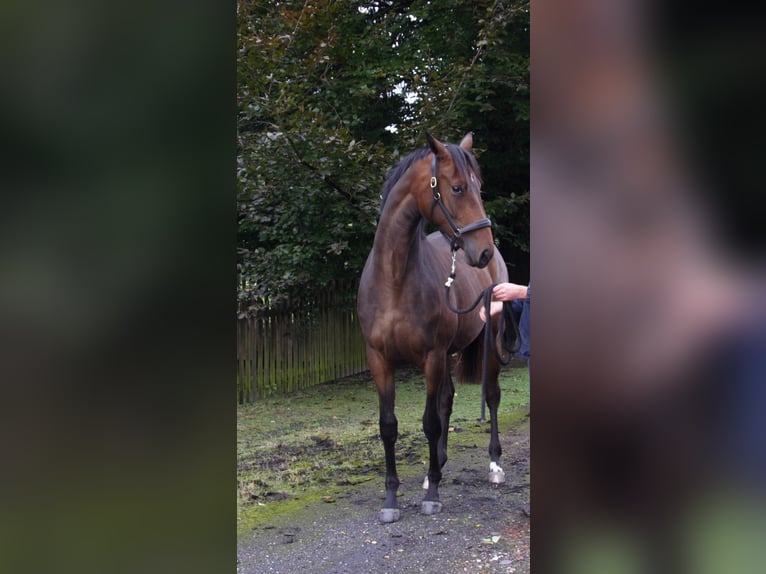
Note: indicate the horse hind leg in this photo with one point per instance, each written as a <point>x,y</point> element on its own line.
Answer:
<point>476,363</point>
<point>496,473</point>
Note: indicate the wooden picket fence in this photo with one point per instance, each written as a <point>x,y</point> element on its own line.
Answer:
<point>286,350</point>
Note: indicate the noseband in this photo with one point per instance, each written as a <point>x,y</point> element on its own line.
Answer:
<point>457,231</point>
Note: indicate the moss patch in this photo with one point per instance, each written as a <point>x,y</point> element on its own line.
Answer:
<point>308,448</point>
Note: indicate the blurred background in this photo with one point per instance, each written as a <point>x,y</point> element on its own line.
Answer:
<point>117,268</point>
<point>647,257</point>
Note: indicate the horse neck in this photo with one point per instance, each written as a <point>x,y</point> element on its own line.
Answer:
<point>398,239</point>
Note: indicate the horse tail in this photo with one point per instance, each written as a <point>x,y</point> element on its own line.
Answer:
<point>471,360</point>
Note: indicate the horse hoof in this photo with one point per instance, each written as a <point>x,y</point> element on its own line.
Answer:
<point>389,515</point>
<point>496,477</point>
<point>429,507</point>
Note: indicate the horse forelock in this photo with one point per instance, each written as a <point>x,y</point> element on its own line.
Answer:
<point>465,162</point>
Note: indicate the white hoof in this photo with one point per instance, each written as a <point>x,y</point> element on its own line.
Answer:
<point>389,515</point>
<point>425,483</point>
<point>496,474</point>
<point>430,507</point>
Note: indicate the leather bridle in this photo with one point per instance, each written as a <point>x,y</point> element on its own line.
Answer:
<point>456,230</point>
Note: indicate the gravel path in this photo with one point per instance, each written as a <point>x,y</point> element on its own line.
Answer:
<point>482,528</point>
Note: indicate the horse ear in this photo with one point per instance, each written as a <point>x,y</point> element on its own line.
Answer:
<point>467,141</point>
<point>436,146</point>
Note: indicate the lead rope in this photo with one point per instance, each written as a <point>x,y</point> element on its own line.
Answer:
<point>486,297</point>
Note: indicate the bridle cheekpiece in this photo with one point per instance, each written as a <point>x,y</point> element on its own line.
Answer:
<point>456,230</point>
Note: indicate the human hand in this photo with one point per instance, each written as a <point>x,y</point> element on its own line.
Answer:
<point>509,292</point>
<point>495,308</point>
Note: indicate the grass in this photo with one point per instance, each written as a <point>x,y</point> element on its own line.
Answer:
<point>307,445</point>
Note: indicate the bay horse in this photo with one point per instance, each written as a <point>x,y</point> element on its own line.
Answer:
<point>402,306</point>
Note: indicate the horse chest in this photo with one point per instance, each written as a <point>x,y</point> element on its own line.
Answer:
<point>402,334</point>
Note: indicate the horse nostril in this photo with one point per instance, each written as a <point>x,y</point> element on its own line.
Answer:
<point>486,255</point>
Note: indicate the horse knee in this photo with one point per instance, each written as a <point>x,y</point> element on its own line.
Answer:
<point>389,428</point>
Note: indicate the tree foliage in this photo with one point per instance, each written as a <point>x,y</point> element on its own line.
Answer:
<point>330,95</point>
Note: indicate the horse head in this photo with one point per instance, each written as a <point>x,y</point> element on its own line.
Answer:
<point>455,188</point>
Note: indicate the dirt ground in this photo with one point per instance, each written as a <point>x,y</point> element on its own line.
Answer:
<point>482,527</point>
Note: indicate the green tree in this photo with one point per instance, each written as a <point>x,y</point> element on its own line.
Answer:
<point>331,94</point>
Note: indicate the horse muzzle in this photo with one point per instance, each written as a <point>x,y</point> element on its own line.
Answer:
<point>474,254</point>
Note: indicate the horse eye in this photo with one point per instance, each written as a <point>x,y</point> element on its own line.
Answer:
<point>457,189</point>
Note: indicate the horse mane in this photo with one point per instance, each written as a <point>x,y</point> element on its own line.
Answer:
<point>396,172</point>
<point>464,160</point>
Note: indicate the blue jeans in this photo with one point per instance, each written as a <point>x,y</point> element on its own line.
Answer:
<point>520,309</point>
<point>744,385</point>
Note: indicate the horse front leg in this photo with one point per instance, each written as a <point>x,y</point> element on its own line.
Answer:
<point>383,374</point>
<point>439,394</point>
<point>446,397</point>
